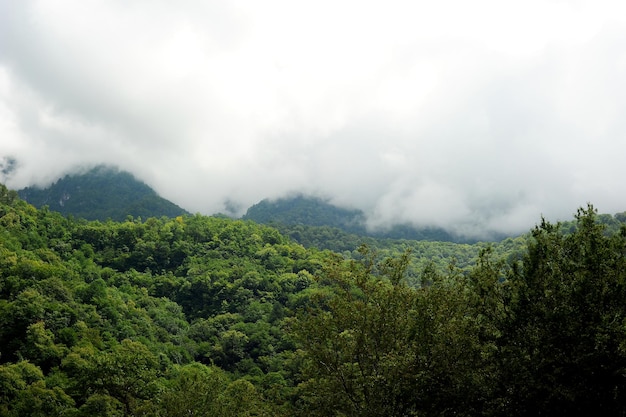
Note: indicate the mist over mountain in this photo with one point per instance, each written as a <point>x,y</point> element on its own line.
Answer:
<point>307,210</point>
<point>448,114</point>
<point>102,193</point>
<point>311,211</point>
<point>106,192</point>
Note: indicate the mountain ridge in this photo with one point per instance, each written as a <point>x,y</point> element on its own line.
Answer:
<point>311,211</point>
<point>107,192</point>
<point>104,192</point>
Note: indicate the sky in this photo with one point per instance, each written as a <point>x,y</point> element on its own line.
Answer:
<point>478,116</point>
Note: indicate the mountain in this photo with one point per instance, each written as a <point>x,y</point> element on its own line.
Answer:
<point>213,316</point>
<point>102,193</point>
<point>313,212</point>
<point>310,211</point>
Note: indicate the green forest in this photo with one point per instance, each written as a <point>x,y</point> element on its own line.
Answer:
<point>104,192</point>
<point>210,316</point>
<point>310,211</point>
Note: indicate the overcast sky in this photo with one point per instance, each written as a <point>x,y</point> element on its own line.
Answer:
<point>473,115</point>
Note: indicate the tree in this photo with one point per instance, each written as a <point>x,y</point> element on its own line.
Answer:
<point>563,344</point>
<point>128,373</point>
<point>193,390</point>
<point>374,346</point>
<point>7,196</point>
<point>23,392</point>
<point>198,390</point>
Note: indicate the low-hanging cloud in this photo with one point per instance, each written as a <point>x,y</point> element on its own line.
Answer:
<point>474,116</point>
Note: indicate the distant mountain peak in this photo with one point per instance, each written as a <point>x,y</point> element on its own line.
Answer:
<point>101,193</point>
<point>307,210</point>
<point>313,211</point>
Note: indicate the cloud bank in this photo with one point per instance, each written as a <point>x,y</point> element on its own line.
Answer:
<point>474,116</point>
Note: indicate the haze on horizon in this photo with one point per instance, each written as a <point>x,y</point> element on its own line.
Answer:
<point>474,116</point>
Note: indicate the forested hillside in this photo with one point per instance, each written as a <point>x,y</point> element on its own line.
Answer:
<point>101,193</point>
<point>310,212</point>
<point>207,316</point>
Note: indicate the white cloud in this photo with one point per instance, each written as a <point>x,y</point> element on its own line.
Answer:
<point>475,116</point>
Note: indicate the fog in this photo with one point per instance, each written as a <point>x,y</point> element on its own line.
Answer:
<point>477,116</point>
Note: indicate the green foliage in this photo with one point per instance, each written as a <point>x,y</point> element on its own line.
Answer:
<point>7,197</point>
<point>200,315</point>
<point>425,252</point>
<point>195,390</point>
<point>105,311</point>
<point>543,334</point>
<point>100,194</point>
<point>23,392</point>
<point>314,221</point>
<point>374,346</point>
<point>307,211</point>
<point>564,329</point>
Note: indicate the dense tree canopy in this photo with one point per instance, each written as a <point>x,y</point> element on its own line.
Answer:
<point>198,315</point>
<point>101,193</point>
<point>305,217</point>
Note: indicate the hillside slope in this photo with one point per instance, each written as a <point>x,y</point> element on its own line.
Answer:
<point>307,211</point>
<point>102,193</point>
<point>211,316</point>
